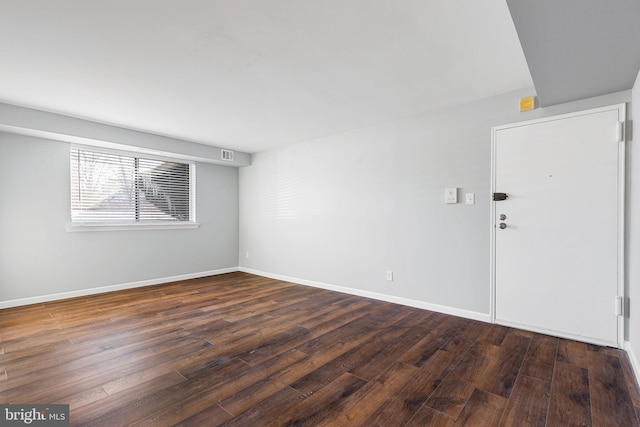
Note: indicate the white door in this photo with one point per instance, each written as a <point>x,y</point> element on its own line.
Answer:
<point>557,263</point>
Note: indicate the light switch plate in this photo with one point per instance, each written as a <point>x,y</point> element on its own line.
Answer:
<point>470,198</point>
<point>451,195</point>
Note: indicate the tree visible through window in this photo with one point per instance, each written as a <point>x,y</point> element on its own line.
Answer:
<point>112,188</point>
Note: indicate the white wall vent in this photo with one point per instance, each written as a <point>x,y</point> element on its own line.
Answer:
<point>226,155</point>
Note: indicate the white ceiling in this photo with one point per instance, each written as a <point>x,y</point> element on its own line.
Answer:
<point>255,74</point>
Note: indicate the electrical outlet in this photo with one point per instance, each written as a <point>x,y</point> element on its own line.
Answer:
<point>246,255</point>
<point>390,275</point>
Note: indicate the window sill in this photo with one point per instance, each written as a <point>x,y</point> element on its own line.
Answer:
<point>75,227</point>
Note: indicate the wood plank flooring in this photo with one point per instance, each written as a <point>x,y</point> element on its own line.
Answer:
<point>243,350</point>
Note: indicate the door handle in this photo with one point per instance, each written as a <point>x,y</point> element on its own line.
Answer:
<point>499,196</point>
<point>503,225</point>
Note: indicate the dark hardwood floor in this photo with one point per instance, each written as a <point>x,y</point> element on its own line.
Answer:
<point>243,350</point>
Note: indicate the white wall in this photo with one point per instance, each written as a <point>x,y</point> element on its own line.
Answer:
<point>342,210</point>
<point>633,231</point>
<point>38,257</point>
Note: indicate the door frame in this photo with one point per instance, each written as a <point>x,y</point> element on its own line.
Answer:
<point>621,136</point>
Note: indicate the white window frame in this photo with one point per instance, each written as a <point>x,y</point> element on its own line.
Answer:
<point>72,226</point>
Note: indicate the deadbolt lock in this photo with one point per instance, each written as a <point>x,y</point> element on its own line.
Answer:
<point>503,217</point>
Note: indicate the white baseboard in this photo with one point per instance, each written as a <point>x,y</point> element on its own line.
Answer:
<point>483,317</point>
<point>635,364</point>
<point>103,289</point>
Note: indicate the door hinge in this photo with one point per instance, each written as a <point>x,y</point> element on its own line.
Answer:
<point>620,132</point>
<point>619,306</point>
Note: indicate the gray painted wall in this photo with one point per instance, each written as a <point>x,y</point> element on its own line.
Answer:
<point>59,127</point>
<point>342,210</point>
<point>578,48</point>
<point>38,257</point>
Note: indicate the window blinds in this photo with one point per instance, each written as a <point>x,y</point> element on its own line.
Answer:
<point>114,188</point>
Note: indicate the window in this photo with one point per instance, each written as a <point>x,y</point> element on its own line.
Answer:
<point>119,189</point>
